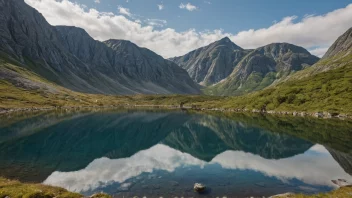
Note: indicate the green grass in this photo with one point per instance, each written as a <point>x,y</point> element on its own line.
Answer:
<point>16,189</point>
<point>344,192</point>
<point>329,91</point>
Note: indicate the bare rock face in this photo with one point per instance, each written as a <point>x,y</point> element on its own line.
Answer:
<point>342,45</point>
<point>262,67</point>
<point>69,57</point>
<point>211,64</point>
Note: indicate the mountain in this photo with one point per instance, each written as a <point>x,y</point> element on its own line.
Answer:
<point>211,64</point>
<point>262,67</point>
<point>325,86</point>
<point>69,57</point>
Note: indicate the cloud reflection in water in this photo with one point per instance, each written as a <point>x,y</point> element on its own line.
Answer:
<point>316,167</point>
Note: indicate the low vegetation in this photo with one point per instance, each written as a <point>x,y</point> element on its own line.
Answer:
<point>16,189</point>
<point>343,192</point>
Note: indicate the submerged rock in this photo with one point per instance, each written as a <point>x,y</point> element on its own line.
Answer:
<point>198,187</point>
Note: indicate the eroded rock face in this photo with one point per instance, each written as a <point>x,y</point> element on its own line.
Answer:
<point>211,64</point>
<point>69,57</point>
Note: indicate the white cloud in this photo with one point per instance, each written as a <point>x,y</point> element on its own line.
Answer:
<point>160,6</point>
<point>156,22</point>
<point>316,31</point>
<point>188,7</point>
<point>319,51</point>
<point>96,1</point>
<point>124,11</point>
<point>207,2</point>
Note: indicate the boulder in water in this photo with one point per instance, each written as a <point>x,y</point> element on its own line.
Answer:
<point>198,187</point>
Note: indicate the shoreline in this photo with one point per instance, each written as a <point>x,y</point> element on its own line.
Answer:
<point>323,115</point>
<point>13,188</point>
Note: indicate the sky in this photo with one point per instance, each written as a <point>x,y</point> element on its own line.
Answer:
<point>175,27</point>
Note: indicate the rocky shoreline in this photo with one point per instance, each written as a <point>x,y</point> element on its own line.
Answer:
<point>324,115</point>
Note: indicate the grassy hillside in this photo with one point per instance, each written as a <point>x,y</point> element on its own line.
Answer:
<point>326,91</point>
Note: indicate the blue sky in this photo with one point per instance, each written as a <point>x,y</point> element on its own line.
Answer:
<point>173,31</point>
<point>230,15</point>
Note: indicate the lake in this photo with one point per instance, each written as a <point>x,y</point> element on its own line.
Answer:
<point>130,153</point>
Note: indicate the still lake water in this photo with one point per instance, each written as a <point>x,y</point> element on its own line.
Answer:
<point>163,153</point>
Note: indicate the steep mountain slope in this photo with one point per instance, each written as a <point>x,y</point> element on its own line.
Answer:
<point>71,58</point>
<point>262,67</point>
<point>211,64</point>
<point>134,69</point>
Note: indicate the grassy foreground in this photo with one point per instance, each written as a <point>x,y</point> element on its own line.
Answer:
<point>343,192</point>
<point>16,189</point>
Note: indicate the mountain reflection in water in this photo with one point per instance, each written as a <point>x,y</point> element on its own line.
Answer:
<point>148,153</point>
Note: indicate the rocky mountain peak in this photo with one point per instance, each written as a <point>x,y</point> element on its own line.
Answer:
<point>212,63</point>
<point>226,41</point>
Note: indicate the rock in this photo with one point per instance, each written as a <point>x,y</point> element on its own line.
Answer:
<point>255,111</point>
<point>198,187</point>
<point>319,114</point>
